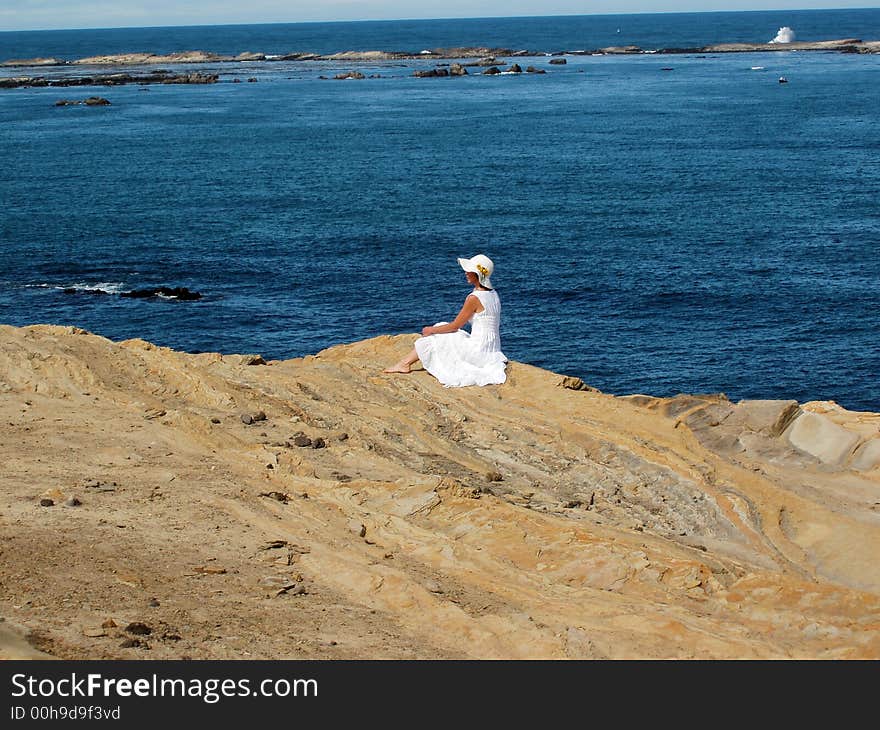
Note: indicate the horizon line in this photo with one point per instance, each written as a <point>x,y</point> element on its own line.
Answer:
<point>428,20</point>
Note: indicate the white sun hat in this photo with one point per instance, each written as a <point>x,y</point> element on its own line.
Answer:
<point>482,266</point>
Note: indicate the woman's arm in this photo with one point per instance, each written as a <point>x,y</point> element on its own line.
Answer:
<point>468,309</point>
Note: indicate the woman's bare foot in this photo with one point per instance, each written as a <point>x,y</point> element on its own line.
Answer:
<point>403,365</point>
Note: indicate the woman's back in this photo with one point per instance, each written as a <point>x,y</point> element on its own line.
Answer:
<point>485,325</point>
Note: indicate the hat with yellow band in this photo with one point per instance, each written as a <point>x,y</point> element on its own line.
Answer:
<point>482,266</point>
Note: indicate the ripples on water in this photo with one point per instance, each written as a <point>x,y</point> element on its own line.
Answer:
<point>700,230</point>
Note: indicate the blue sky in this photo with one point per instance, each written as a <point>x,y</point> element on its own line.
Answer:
<point>48,14</point>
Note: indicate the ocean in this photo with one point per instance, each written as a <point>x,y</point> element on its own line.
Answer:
<point>659,223</point>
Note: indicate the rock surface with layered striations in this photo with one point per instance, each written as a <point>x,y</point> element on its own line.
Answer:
<point>158,504</point>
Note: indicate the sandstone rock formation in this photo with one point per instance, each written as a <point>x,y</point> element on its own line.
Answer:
<point>846,45</point>
<point>123,59</point>
<point>226,506</point>
<point>42,61</point>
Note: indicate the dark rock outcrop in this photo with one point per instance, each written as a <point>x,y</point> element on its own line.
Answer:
<point>679,50</point>
<point>115,79</point>
<point>91,101</point>
<point>165,292</point>
<point>297,57</point>
<point>177,292</point>
<point>430,72</point>
<point>193,78</point>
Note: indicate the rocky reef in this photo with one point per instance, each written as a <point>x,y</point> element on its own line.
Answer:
<point>112,79</point>
<point>491,58</point>
<point>845,45</point>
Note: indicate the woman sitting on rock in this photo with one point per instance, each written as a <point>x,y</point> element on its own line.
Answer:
<point>457,357</point>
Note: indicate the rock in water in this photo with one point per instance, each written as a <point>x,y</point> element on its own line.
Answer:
<point>178,292</point>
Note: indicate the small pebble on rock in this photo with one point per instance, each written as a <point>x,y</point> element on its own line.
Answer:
<point>139,628</point>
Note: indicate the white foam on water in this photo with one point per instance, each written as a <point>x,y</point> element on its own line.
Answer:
<point>104,286</point>
<point>784,35</point>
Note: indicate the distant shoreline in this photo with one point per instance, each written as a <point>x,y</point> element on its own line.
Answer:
<point>846,45</point>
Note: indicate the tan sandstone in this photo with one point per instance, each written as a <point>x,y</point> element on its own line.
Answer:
<point>536,519</point>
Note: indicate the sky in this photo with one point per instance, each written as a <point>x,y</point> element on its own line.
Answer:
<point>54,14</point>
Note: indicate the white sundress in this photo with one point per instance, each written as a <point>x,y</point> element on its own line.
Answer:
<point>460,358</point>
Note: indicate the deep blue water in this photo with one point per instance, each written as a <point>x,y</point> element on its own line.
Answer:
<point>703,229</point>
<point>547,34</point>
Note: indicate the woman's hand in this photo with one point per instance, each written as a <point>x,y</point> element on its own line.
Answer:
<point>426,331</point>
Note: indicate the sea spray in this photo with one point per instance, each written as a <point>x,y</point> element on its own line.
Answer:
<point>784,35</point>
